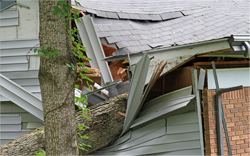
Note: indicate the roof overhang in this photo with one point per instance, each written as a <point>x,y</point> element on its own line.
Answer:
<point>166,49</point>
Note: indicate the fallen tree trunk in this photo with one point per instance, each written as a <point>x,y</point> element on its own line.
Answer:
<point>104,128</point>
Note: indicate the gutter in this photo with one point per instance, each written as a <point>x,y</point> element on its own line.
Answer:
<point>166,49</point>
<point>240,43</point>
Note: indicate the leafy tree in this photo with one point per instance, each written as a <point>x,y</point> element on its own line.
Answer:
<point>57,79</point>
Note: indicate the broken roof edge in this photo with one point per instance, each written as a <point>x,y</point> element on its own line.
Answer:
<point>9,6</point>
<point>166,49</point>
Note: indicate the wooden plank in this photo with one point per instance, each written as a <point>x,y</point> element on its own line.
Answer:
<point>215,51</point>
<point>220,63</point>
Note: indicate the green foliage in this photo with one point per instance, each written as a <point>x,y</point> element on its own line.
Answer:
<point>47,51</point>
<point>41,153</point>
<point>64,10</point>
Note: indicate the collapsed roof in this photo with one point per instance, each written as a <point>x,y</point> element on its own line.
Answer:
<point>136,26</point>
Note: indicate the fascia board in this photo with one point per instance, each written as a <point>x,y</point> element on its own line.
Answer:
<point>93,46</point>
<point>135,93</point>
<point>21,97</point>
<point>167,49</point>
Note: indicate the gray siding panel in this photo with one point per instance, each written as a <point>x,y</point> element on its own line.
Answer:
<point>161,109</point>
<point>10,119</point>
<point>10,127</point>
<point>9,18</point>
<point>13,135</point>
<point>161,140</point>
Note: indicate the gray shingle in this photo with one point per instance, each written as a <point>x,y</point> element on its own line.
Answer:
<point>135,37</point>
<point>103,34</point>
<point>144,16</point>
<point>112,39</point>
<point>156,40</point>
<point>123,15</point>
<point>122,44</point>
<point>122,51</point>
<point>124,38</point>
<point>126,27</point>
<point>91,11</point>
<point>134,43</point>
<point>114,33</point>
<point>116,27</point>
<point>133,49</point>
<point>144,47</point>
<point>104,28</point>
<point>155,17</point>
<point>125,32</point>
<point>145,37</point>
<point>101,13</point>
<point>134,16</point>
<point>112,15</point>
<point>155,45</point>
<point>176,14</point>
<point>166,16</point>
<point>144,42</point>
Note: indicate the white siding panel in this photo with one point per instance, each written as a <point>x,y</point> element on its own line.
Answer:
<point>9,18</point>
<point>32,88</point>
<point>13,60</point>
<point>16,52</point>
<point>27,82</point>
<point>9,14</point>
<point>14,67</point>
<point>19,43</point>
<point>21,74</point>
<point>8,22</point>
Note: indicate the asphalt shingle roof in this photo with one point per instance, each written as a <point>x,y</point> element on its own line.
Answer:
<point>140,25</point>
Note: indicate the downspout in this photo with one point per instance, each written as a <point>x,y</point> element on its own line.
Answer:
<point>220,114</point>
<point>219,117</point>
<point>247,47</point>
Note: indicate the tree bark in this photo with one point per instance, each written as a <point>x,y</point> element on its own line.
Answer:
<point>57,82</point>
<point>104,128</point>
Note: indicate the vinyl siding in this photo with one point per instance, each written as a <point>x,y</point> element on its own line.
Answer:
<point>10,127</point>
<point>15,65</point>
<point>9,18</point>
<point>162,137</point>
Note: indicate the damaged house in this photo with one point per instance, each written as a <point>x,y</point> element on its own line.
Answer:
<point>186,62</point>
